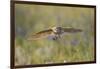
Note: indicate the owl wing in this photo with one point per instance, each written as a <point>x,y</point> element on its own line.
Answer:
<point>71,30</point>
<point>41,34</point>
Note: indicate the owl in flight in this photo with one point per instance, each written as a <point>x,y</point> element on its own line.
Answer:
<point>53,33</point>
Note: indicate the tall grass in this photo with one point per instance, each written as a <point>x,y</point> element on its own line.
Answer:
<point>77,47</point>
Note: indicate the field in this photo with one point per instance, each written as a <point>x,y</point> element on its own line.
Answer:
<point>74,47</point>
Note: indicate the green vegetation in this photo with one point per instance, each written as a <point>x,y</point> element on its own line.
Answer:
<point>71,48</point>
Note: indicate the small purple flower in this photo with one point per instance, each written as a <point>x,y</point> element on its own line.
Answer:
<point>74,42</point>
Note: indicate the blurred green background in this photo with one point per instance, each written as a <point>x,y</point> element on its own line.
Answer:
<point>30,19</point>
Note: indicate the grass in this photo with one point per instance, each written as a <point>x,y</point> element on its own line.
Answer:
<point>77,47</point>
<point>48,51</point>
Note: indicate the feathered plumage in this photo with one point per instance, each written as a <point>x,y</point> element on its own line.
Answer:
<point>54,33</point>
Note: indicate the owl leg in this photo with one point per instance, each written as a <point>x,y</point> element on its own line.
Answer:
<point>55,38</point>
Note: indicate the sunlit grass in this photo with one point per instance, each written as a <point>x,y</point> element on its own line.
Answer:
<point>30,19</point>
<point>48,51</point>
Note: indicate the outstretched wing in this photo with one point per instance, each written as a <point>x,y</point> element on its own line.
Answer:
<point>41,34</point>
<point>71,30</point>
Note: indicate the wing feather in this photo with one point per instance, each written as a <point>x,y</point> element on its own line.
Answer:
<point>41,34</point>
<point>71,30</point>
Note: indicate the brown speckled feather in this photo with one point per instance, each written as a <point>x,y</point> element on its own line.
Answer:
<point>41,34</point>
<point>71,30</point>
